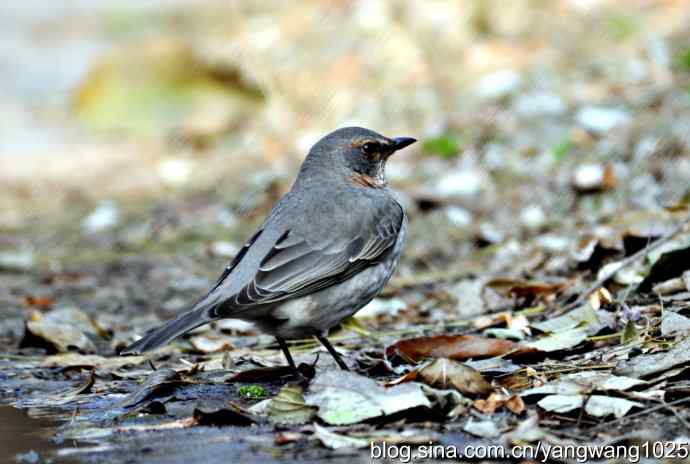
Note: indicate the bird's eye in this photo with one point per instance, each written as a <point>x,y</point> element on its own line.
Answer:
<point>370,148</point>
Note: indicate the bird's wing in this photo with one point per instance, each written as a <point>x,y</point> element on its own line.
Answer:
<point>297,266</point>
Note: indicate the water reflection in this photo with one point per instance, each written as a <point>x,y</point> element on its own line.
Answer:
<point>22,434</point>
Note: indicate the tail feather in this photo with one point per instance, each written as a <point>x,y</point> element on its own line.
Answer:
<point>169,331</point>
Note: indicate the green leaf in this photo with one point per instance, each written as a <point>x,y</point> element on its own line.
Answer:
<point>629,333</point>
<point>445,146</point>
<point>253,391</point>
<point>562,148</point>
<point>557,341</point>
<point>684,59</point>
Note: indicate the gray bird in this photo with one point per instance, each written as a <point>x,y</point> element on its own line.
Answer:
<point>327,249</point>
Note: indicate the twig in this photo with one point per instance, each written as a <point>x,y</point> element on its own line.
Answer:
<point>581,416</point>
<point>677,414</point>
<point>627,262</point>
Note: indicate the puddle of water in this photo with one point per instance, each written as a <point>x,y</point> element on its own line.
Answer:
<point>21,434</point>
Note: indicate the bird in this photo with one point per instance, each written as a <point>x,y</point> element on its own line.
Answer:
<point>327,248</point>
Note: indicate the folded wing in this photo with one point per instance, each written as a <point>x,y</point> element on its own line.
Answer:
<point>297,265</point>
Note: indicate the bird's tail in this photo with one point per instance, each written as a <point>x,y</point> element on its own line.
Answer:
<point>171,330</point>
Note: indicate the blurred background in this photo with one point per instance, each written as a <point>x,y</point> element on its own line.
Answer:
<point>173,126</point>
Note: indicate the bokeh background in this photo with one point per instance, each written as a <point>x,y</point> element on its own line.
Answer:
<point>173,126</point>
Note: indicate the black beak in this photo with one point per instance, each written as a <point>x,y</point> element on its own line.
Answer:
<point>401,142</point>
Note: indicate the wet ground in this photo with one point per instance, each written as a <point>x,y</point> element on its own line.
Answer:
<point>25,439</point>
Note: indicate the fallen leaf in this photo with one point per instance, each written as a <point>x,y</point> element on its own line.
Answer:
<point>515,404</point>
<point>597,405</point>
<point>457,347</point>
<point>60,330</point>
<point>496,365</point>
<point>583,383</point>
<point>674,324</point>
<point>445,373</point>
<point>584,317</point>
<point>601,297</point>
<point>261,374</point>
<point>347,398</point>
<point>558,341</point>
<point>449,402</point>
<point>223,416</point>
<point>60,397</point>
<point>334,440</point>
<point>669,265</point>
<point>671,286</point>
<point>483,429</point>
<point>505,334</point>
<point>289,407</point>
<point>629,333</point>
<point>491,404</point>
<point>622,273</point>
<point>161,383</point>
<point>648,364</point>
<point>91,360</point>
<point>497,400</point>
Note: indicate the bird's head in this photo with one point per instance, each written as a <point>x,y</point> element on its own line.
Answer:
<point>357,153</point>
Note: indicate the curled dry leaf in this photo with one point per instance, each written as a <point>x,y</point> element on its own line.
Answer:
<point>497,400</point>
<point>289,407</point>
<point>446,373</point>
<point>601,297</point>
<point>457,347</point>
<point>261,374</point>
<point>515,404</point>
<point>60,330</point>
<point>161,383</point>
<point>223,416</point>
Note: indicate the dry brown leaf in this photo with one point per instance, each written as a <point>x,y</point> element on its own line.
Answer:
<point>41,302</point>
<point>490,404</point>
<point>457,347</point>
<point>599,298</point>
<point>446,373</point>
<point>496,400</point>
<point>515,404</point>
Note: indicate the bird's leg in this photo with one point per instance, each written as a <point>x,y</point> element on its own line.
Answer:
<point>324,341</point>
<point>286,352</point>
